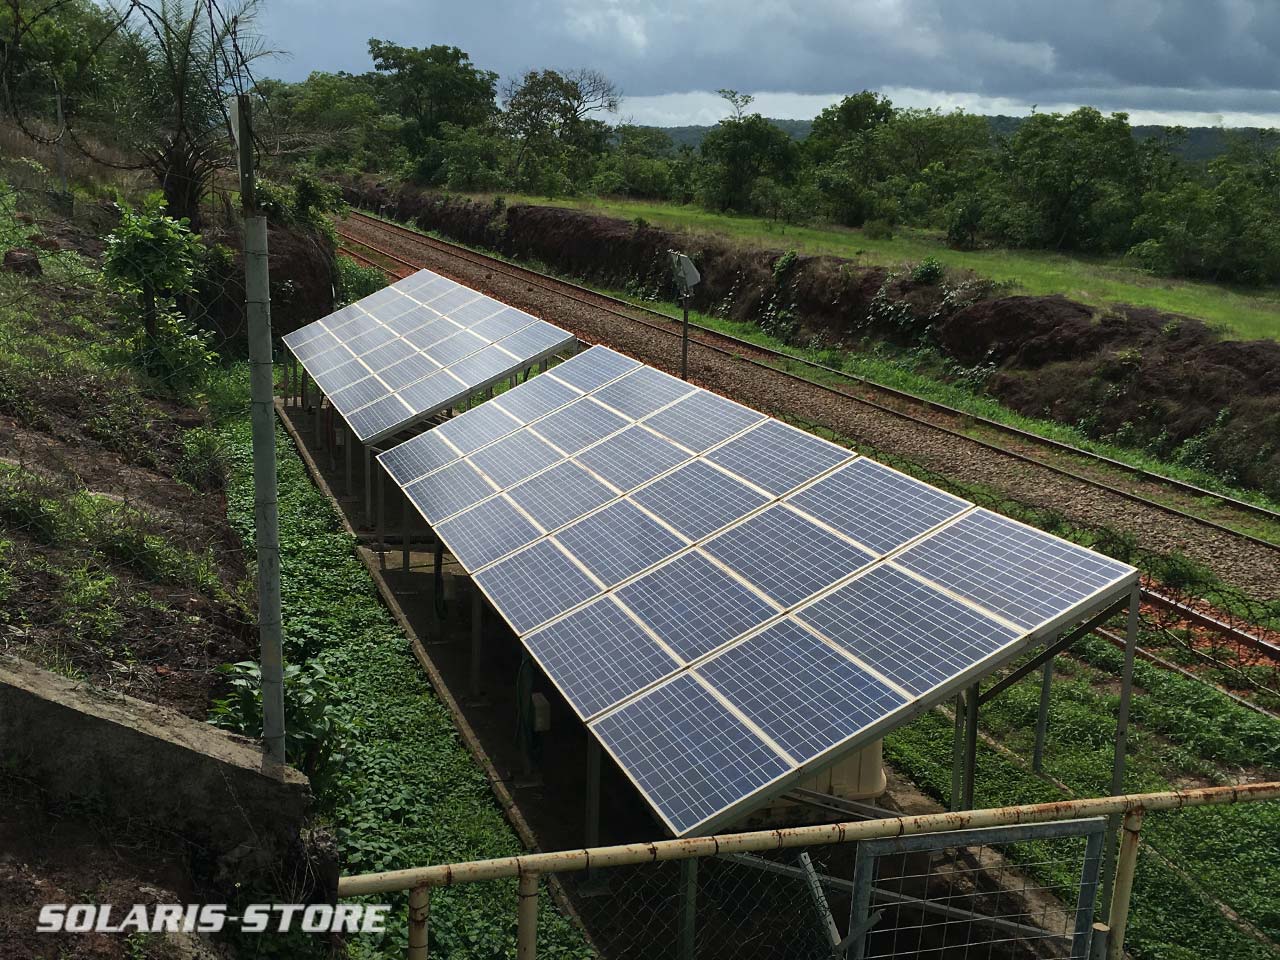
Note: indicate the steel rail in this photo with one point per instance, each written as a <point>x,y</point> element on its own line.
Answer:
<point>543,281</point>
<point>1018,432</point>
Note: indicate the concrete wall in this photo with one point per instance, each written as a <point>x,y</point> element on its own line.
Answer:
<point>132,760</point>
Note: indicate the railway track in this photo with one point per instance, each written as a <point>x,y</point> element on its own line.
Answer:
<point>395,265</point>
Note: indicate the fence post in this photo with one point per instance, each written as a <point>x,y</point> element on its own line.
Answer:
<point>262,393</point>
<point>688,923</point>
<point>419,914</point>
<point>527,917</point>
<point>1126,864</point>
<point>1042,717</point>
<point>1122,742</point>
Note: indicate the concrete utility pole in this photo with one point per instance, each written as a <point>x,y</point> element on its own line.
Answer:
<point>262,390</point>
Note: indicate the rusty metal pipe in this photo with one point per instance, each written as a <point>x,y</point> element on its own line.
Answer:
<point>566,861</point>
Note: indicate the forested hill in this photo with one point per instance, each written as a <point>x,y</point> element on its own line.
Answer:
<point>1198,145</point>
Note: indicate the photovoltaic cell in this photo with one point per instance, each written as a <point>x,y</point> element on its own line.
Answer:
<point>618,542</point>
<point>407,371</point>
<point>475,311</point>
<point>785,555</point>
<point>533,586</point>
<point>506,322</point>
<point>487,532</point>
<point>698,499</point>
<point>385,356</point>
<point>411,320</point>
<point>876,506</point>
<point>417,457</point>
<point>343,375</point>
<point>352,398</point>
<point>560,494</point>
<point>1022,574</point>
<point>598,656</point>
<point>534,340</point>
<point>689,755</point>
<point>451,350</point>
<point>514,458</point>
<point>315,346</point>
<point>324,362</point>
<point>378,417</point>
<point>804,695</point>
<point>632,457</point>
<point>447,491</point>
<point>433,392</point>
<point>484,366</point>
<point>535,398</point>
<point>452,300</point>
<point>431,333</point>
<point>702,420</point>
<point>642,391</point>
<point>693,605</point>
<point>911,633</point>
<point>370,340</point>
<point>778,457</point>
<point>480,425</point>
<point>578,425</point>
<point>593,368</point>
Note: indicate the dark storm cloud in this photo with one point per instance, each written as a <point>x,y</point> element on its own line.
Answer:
<point>1160,55</point>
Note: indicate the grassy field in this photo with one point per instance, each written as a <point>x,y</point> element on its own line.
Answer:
<point>1244,313</point>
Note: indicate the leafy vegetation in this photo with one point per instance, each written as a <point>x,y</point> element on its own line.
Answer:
<point>404,791</point>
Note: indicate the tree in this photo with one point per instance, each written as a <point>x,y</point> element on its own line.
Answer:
<point>839,123</point>
<point>738,101</point>
<point>434,85</point>
<point>738,150</point>
<point>548,116</point>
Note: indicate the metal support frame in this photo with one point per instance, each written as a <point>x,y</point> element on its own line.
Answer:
<point>1042,716</point>
<point>437,580</point>
<point>419,916</point>
<point>348,442</point>
<point>830,932</point>
<point>591,831</point>
<point>688,923</point>
<point>1118,761</point>
<point>368,486</point>
<point>870,851</point>
<point>477,639</point>
<point>957,753</point>
<point>826,801</point>
<point>404,563</point>
<point>971,701</point>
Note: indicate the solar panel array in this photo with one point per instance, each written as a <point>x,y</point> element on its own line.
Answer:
<point>415,348</point>
<point>727,601</point>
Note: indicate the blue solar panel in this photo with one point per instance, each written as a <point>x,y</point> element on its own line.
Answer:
<point>407,371</point>
<point>504,323</point>
<point>452,300</point>
<point>484,366</point>
<point>785,555</point>
<point>448,490</point>
<point>702,420</point>
<point>597,656</point>
<point>385,356</point>
<point>533,586</point>
<point>642,391</point>
<point>536,339</point>
<point>352,398</point>
<point>432,332</point>
<point>909,632</point>
<point>578,425</point>
<point>689,755</point>
<point>876,506</point>
<point>370,340</point>
<point>804,695</point>
<point>433,392</point>
<point>371,422</point>
<point>618,542</point>
<point>535,398</point>
<point>563,493</point>
<point>487,532</point>
<point>417,457</point>
<point>326,361</point>
<point>410,320</point>
<point>593,368</point>
<point>698,499</point>
<point>514,458</point>
<point>480,425</point>
<point>778,457</point>
<point>453,349</point>
<point>632,457</point>
<point>694,606</point>
<point>315,346</point>
<point>343,375</point>
<point>1025,575</point>
<point>472,313</point>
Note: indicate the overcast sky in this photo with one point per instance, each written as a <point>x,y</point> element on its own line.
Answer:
<point>1200,62</point>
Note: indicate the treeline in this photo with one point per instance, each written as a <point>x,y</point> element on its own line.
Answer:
<point>1081,182</point>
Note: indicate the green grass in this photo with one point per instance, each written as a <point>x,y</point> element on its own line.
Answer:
<point>1240,312</point>
<point>407,792</point>
<point>1180,730</point>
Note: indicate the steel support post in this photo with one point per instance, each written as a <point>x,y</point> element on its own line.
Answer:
<point>319,421</point>
<point>1042,718</point>
<point>957,754</point>
<point>437,581</point>
<point>1087,895</point>
<point>591,833</point>
<point>348,441</point>
<point>1122,741</point>
<point>302,392</point>
<point>404,519</point>
<point>860,908</point>
<point>382,521</point>
<point>527,917</point>
<point>368,486</point>
<point>477,638</point>
<point>419,915</point>
<point>1126,864</point>
<point>688,908</point>
<point>970,745</point>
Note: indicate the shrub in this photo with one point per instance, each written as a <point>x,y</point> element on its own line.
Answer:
<point>878,230</point>
<point>356,282</point>
<point>928,271</point>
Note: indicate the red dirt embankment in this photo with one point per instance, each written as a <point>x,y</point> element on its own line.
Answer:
<point>1144,377</point>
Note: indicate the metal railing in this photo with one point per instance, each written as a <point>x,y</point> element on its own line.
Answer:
<point>1106,938</point>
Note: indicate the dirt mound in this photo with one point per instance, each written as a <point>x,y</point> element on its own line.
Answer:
<point>1145,378</point>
